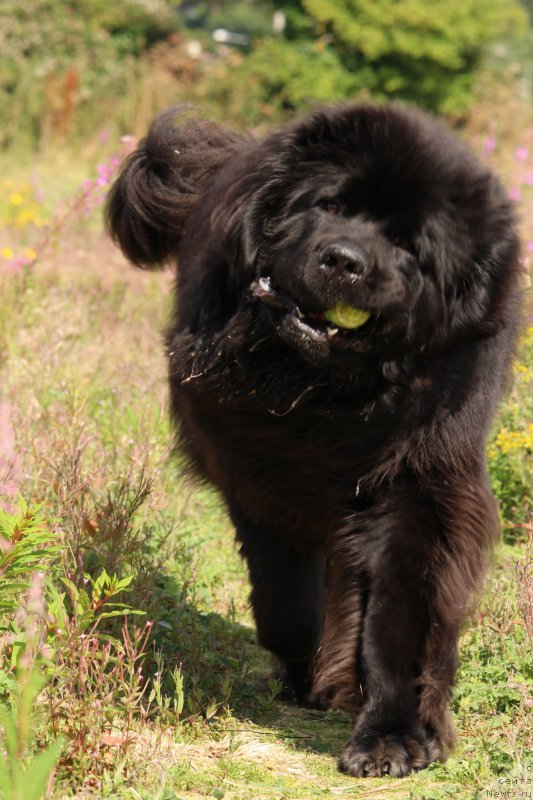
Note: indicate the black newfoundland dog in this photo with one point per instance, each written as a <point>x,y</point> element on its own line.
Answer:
<point>346,307</point>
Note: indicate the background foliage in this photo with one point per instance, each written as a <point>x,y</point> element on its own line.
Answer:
<point>409,50</point>
<point>71,65</point>
<point>61,59</point>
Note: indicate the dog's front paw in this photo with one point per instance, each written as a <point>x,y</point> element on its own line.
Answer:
<point>391,754</point>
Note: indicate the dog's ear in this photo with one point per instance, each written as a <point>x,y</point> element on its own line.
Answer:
<point>264,206</point>
<point>158,184</point>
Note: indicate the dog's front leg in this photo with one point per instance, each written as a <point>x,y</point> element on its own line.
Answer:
<point>396,545</point>
<point>424,551</point>
<point>287,599</point>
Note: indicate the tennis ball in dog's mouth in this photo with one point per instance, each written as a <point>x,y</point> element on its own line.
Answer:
<point>344,316</point>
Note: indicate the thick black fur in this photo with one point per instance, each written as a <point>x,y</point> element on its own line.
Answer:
<point>352,463</point>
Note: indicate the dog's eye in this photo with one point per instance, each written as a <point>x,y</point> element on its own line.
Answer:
<point>330,206</point>
<point>403,244</point>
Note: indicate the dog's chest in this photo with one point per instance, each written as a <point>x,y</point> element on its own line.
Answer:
<point>303,469</point>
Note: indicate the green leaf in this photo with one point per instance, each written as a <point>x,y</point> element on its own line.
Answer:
<point>121,585</point>
<point>6,781</point>
<point>35,778</point>
<point>8,722</point>
<point>56,606</point>
<point>120,613</point>
<point>99,584</point>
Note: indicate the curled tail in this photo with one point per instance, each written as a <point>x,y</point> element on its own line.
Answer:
<point>158,184</point>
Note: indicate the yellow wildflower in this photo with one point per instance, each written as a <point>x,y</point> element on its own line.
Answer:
<point>16,199</point>
<point>508,440</point>
<point>25,217</point>
<point>520,367</point>
<point>7,252</point>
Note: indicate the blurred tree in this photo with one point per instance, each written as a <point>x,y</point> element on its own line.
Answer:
<point>58,54</point>
<point>252,17</point>
<point>68,66</point>
<point>529,5</point>
<point>245,16</point>
<point>420,52</point>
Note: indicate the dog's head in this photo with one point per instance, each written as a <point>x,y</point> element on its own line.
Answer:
<point>377,210</point>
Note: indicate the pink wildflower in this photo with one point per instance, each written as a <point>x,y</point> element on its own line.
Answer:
<point>102,171</point>
<point>129,144</point>
<point>521,153</point>
<point>9,461</point>
<point>490,145</point>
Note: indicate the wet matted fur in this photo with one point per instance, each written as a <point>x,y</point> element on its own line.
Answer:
<point>352,461</point>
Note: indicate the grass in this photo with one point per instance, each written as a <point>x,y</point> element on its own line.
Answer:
<point>180,702</point>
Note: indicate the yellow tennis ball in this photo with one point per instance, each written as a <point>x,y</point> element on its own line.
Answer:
<point>345,316</point>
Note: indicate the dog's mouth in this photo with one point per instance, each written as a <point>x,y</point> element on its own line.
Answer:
<point>317,336</point>
<point>314,324</point>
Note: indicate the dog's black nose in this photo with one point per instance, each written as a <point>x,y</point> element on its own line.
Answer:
<point>347,258</point>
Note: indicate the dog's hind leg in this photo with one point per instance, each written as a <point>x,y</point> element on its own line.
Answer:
<point>471,523</point>
<point>336,676</point>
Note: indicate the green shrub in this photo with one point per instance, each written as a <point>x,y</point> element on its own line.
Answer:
<point>277,78</point>
<point>389,49</point>
<point>59,57</point>
<point>248,17</point>
<point>25,548</point>
<point>511,446</point>
<point>426,53</point>
<point>26,552</point>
